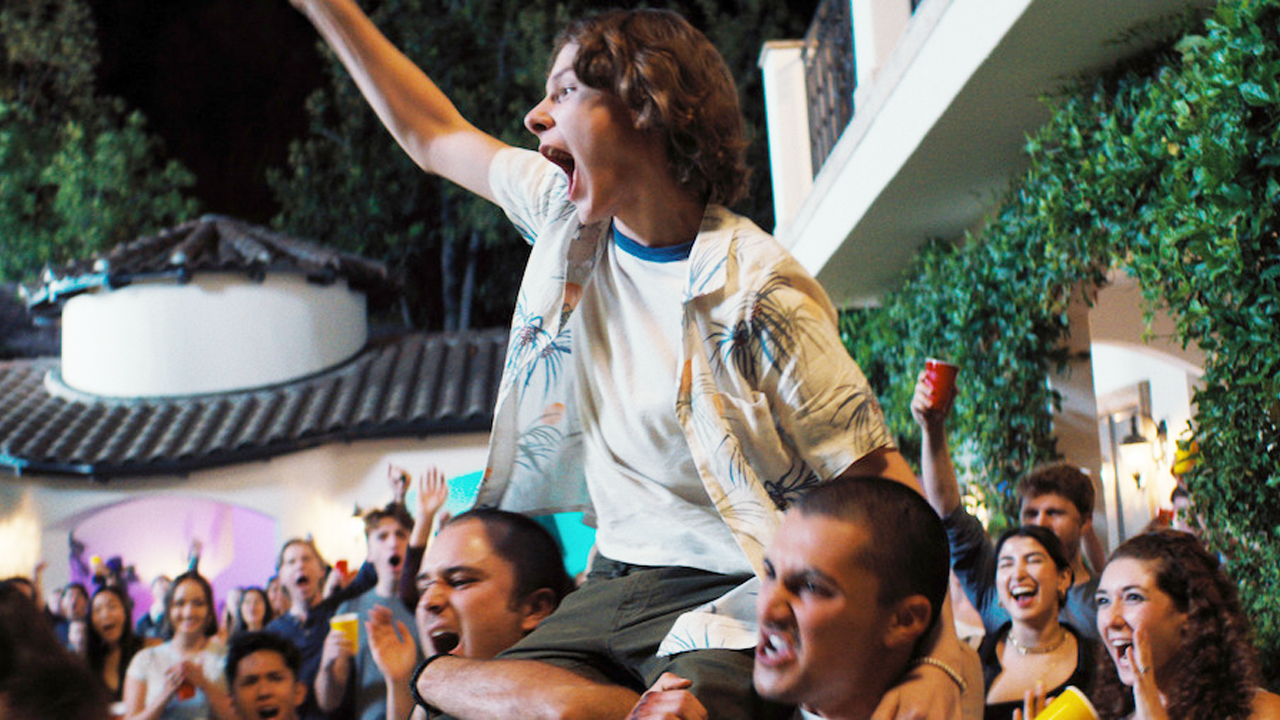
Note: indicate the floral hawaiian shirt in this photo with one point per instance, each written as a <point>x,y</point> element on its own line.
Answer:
<point>769,400</point>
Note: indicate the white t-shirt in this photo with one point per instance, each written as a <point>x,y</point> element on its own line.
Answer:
<point>651,507</point>
<point>152,664</point>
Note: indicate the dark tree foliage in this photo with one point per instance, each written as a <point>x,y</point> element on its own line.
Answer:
<point>349,185</point>
<point>78,173</point>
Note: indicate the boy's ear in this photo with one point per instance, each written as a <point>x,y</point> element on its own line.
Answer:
<point>299,693</point>
<point>537,605</point>
<point>908,621</point>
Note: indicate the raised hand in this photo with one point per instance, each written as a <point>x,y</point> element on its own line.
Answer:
<point>1146,695</point>
<point>390,644</point>
<point>433,492</point>
<point>922,404</point>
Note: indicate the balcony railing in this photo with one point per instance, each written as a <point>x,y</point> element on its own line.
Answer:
<point>829,76</point>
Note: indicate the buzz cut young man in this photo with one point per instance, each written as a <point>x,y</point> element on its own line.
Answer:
<point>671,367</point>
<point>854,580</point>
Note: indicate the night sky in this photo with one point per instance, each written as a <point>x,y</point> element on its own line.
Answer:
<point>223,82</point>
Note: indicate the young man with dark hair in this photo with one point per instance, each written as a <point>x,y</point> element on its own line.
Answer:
<point>262,676</point>
<point>1058,497</point>
<point>855,579</point>
<point>671,366</point>
<point>349,683</point>
<point>488,579</point>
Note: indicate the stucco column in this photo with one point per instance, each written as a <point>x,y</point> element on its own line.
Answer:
<point>1076,426</point>
<point>787,122</point>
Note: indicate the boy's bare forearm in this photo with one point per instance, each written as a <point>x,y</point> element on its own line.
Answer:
<point>421,118</point>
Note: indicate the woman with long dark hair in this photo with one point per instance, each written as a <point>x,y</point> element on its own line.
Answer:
<point>1032,579</point>
<point>1178,642</point>
<point>182,678</point>
<point>254,611</point>
<point>111,643</point>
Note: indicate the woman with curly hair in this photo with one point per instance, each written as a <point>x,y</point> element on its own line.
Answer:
<point>1181,645</point>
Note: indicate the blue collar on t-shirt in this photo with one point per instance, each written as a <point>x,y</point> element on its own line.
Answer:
<point>670,253</point>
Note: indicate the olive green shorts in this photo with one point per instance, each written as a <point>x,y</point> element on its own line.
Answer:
<point>609,631</point>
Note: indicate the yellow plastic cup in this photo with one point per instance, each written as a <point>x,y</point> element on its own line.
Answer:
<point>1070,705</point>
<point>348,624</point>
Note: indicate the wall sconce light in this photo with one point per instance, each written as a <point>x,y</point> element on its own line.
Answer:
<point>1135,450</point>
<point>1162,440</point>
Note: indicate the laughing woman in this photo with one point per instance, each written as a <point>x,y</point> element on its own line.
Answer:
<point>111,643</point>
<point>1180,644</point>
<point>1032,578</point>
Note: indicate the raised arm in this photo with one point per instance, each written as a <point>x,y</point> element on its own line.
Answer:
<point>433,492</point>
<point>941,488</point>
<point>420,117</point>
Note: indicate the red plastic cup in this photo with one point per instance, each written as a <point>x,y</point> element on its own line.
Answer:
<point>186,690</point>
<point>942,377</point>
<point>341,567</point>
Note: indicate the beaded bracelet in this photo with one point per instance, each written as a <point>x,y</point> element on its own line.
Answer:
<point>950,671</point>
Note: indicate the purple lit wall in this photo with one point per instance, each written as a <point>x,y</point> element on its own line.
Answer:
<point>155,535</point>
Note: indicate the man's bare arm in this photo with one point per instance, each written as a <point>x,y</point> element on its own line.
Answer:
<point>420,117</point>
<point>484,689</point>
<point>886,463</point>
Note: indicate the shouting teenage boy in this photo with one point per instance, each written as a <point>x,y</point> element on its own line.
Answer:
<point>670,365</point>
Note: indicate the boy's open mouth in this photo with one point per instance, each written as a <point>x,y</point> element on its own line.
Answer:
<point>563,160</point>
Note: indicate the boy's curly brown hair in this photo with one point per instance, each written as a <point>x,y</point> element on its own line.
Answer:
<point>674,81</point>
<point>1216,667</point>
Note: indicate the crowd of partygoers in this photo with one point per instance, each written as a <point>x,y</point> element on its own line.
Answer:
<point>855,581</point>
<point>762,548</point>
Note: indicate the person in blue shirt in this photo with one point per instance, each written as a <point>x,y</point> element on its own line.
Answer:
<point>302,571</point>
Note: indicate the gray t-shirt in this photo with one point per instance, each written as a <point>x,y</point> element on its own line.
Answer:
<point>370,690</point>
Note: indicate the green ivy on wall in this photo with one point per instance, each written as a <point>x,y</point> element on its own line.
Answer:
<point>1169,168</point>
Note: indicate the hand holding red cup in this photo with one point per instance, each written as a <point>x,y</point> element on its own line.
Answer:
<point>942,379</point>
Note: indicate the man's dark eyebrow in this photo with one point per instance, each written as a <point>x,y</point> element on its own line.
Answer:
<point>455,569</point>
<point>445,572</point>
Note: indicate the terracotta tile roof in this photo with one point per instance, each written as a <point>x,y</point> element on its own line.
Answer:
<point>213,243</point>
<point>407,386</point>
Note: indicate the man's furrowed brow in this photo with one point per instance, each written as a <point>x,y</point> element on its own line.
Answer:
<point>460,570</point>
